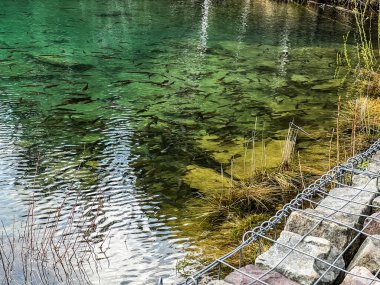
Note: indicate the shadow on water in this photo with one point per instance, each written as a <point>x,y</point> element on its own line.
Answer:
<point>114,99</point>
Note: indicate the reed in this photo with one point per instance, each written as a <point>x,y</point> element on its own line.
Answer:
<point>289,147</point>
<point>357,121</point>
<point>56,251</point>
<point>261,191</point>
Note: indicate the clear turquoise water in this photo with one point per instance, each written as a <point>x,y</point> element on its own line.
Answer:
<point>110,98</point>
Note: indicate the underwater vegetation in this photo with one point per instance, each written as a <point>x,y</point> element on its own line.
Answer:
<point>176,129</point>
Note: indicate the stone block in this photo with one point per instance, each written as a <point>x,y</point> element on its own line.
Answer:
<point>368,255</point>
<point>365,182</point>
<point>218,282</point>
<point>376,204</point>
<point>343,214</point>
<point>298,266</point>
<point>375,165</point>
<point>364,274</point>
<point>372,224</point>
<point>273,278</point>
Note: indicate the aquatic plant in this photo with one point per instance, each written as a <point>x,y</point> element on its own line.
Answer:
<point>263,193</point>
<point>288,151</point>
<point>361,120</point>
<point>251,185</point>
<point>238,200</point>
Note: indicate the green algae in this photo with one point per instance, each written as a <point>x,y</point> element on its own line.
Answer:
<point>240,157</point>
<point>221,151</point>
<point>91,138</point>
<point>300,78</point>
<point>92,164</point>
<point>266,155</point>
<point>25,143</point>
<point>205,180</point>
<point>329,85</point>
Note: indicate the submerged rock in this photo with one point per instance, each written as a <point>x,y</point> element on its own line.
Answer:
<point>356,280</point>
<point>368,255</point>
<point>205,180</point>
<point>241,156</point>
<point>299,78</point>
<point>299,266</point>
<point>327,86</point>
<point>272,277</point>
<point>91,138</point>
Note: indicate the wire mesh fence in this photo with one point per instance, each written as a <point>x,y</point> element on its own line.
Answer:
<point>334,212</point>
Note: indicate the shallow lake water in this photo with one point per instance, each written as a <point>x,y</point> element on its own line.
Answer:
<point>112,102</point>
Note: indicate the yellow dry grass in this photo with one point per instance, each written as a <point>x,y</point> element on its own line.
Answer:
<point>368,83</point>
<point>364,111</point>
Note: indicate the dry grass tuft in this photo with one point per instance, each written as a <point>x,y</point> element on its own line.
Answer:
<point>238,200</point>
<point>263,193</point>
<point>288,151</point>
<point>368,83</point>
<point>365,111</point>
<point>360,120</point>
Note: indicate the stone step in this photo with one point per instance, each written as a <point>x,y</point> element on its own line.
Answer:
<point>298,266</point>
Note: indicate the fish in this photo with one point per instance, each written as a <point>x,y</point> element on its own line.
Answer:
<point>146,108</point>
<point>36,93</point>
<point>148,73</point>
<point>160,102</point>
<point>71,101</point>
<point>51,86</point>
<point>73,82</point>
<point>8,48</point>
<point>165,83</point>
<point>85,87</point>
<point>30,86</point>
<point>5,60</point>
<point>112,14</point>
<point>156,51</point>
<point>159,96</point>
<point>63,110</point>
<point>124,82</point>
<point>108,57</point>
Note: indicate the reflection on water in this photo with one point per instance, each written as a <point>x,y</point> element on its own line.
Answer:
<point>204,26</point>
<point>12,162</point>
<point>141,242</point>
<point>108,101</point>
